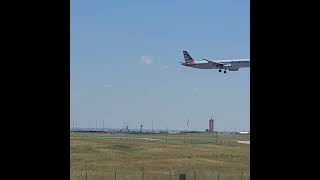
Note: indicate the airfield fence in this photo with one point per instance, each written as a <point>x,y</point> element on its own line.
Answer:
<point>141,175</point>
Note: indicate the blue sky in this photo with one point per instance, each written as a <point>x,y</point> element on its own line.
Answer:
<point>125,63</point>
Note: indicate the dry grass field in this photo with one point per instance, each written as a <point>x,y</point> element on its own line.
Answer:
<point>157,156</point>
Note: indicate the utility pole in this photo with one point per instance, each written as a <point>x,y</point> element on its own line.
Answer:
<point>187,124</point>
<point>166,137</point>
<point>216,137</point>
<point>141,128</point>
<point>76,125</point>
<point>167,134</point>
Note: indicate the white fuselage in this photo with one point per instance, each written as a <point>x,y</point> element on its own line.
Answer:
<point>227,64</point>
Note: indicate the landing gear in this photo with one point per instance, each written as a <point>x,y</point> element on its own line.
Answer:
<point>219,70</point>
<point>225,71</point>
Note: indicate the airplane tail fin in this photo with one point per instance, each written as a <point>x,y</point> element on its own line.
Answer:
<point>188,59</point>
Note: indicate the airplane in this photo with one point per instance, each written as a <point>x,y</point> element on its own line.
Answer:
<point>231,65</point>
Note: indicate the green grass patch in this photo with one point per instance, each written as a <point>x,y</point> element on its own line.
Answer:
<point>122,148</point>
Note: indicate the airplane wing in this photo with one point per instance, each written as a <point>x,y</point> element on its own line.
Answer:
<point>215,63</point>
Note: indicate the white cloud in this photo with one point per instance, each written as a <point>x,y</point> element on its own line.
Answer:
<point>196,91</point>
<point>165,67</point>
<point>108,85</point>
<point>147,60</point>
